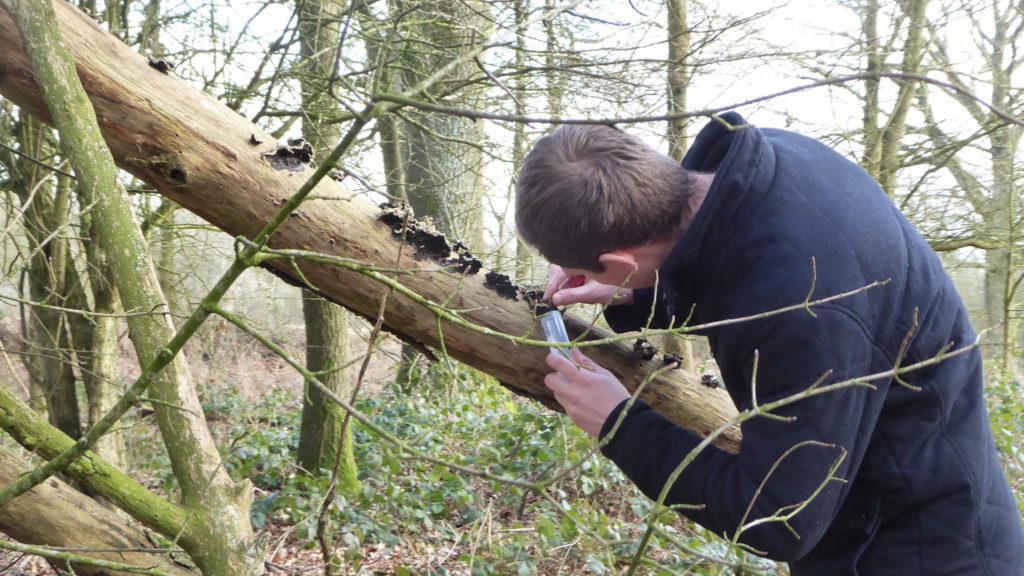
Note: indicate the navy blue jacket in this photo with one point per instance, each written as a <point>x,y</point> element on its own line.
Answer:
<point>922,490</point>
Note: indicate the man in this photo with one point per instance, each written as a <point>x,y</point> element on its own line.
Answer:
<point>898,478</point>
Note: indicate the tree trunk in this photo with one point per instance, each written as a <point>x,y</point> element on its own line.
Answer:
<point>198,152</point>
<point>47,204</point>
<point>442,153</point>
<point>678,75</point>
<point>995,196</point>
<point>320,434</point>
<point>871,138</point>
<point>882,144</point>
<point>100,371</point>
<point>54,514</point>
<point>523,268</point>
<point>220,506</point>
<point>892,133</point>
<point>678,81</point>
<point>322,439</point>
<point>96,475</point>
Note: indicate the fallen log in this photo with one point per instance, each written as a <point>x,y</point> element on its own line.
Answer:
<point>226,170</point>
<point>55,514</point>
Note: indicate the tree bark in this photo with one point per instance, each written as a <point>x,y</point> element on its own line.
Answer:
<point>100,373</point>
<point>892,132</point>
<point>523,256</point>
<point>323,440</point>
<point>443,153</point>
<point>678,75</point>
<point>995,197</point>
<point>54,514</point>
<point>882,144</point>
<point>678,81</point>
<point>199,153</point>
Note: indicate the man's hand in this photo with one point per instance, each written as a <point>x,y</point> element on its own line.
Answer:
<point>563,290</point>
<point>587,391</point>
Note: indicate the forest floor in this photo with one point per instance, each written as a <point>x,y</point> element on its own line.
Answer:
<point>415,517</point>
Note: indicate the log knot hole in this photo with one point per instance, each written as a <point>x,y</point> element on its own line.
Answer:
<point>167,165</point>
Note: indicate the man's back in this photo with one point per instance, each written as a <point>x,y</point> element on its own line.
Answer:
<point>925,493</point>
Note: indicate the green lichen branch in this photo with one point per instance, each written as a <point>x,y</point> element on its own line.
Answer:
<point>37,435</point>
<point>69,558</point>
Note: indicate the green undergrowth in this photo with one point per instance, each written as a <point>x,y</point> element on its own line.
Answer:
<point>436,520</point>
<point>1005,400</point>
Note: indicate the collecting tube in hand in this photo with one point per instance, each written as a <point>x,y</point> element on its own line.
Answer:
<point>554,329</point>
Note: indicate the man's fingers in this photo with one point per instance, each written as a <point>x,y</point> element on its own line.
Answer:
<point>587,294</point>
<point>555,381</point>
<point>582,359</point>
<point>556,277</point>
<point>558,362</point>
<point>570,367</point>
<point>563,297</point>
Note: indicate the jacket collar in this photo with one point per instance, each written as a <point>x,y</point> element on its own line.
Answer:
<point>744,163</point>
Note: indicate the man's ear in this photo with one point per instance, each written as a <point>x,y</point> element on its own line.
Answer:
<point>619,261</point>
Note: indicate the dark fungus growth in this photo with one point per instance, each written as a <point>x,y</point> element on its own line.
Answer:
<point>292,157</point>
<point>672,359</point>
<point>709,380</point>
<point>501,284</point>
<point>301,149</point>
<point>254,140</point>
<point>642,349</point>
<point>533,297</point>
<point>464,262</point>
<point>161,64</point>
<point>541,309</point>
<point>428,241</point>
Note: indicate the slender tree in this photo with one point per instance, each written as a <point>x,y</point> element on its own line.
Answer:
<point>443,153</point>
<point>218,505</point>
<point>45,203</point>
<point>883,138</point>
<point>678,73</point>
<point>991,194</point>
<point>322,441</point>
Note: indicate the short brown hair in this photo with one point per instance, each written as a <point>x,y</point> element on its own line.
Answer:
<point>587,190</point>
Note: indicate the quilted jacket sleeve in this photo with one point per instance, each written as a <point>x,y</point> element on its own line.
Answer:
<point>776,493</point>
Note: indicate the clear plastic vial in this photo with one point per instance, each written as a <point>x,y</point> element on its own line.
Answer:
<point>554,329</point>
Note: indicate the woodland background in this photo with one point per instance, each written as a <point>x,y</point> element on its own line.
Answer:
<point>447,472</point>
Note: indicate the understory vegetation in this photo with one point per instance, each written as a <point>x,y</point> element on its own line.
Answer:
<point>417,517</point>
